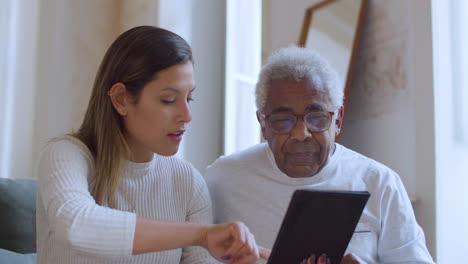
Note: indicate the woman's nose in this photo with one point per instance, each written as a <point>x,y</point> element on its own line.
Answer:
<point>185,114</point>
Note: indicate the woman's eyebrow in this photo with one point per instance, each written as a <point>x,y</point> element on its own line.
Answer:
<point>170,89</point>
<point>175,90</point>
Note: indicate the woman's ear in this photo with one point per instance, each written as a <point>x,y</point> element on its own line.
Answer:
<point>118,96</point>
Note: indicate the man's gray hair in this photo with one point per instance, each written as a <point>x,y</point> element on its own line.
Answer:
<point>295,63</point>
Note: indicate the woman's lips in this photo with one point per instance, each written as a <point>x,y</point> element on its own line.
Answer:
<point>176,136</point>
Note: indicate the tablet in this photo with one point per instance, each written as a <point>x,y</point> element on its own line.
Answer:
<point>318,222</point>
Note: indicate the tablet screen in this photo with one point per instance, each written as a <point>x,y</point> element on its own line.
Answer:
<point>318,222</point>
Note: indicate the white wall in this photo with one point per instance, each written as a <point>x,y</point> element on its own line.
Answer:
<point>203,141</point>
<point>73,37</point>
<point>390,109</point>
<point>60,46</point>
<point>138,12</point>
<point>423,100</point>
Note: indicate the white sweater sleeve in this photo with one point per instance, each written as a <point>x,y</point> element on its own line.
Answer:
<point>72,215</point>
<point>199,211</point>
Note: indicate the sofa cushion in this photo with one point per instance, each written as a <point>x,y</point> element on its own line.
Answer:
<point>18,215</point>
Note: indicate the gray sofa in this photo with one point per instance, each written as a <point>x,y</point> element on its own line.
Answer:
<point>17,221</point>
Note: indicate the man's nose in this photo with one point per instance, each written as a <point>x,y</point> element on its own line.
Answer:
<point>300,131</point>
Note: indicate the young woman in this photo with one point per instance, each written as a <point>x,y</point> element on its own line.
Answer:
<point>113,190</point>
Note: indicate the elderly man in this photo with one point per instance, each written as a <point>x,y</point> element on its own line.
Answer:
<point>300,109</point>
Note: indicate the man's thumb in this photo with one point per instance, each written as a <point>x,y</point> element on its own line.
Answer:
<point>264,252</point>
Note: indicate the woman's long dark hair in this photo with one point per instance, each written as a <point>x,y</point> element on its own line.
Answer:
<point>134,59</point>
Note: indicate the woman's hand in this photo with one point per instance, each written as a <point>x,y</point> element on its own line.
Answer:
<point>232,243</point>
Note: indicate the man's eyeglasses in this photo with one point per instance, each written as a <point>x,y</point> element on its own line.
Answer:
<point>317,121</point>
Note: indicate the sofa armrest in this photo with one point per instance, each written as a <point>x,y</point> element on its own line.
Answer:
<point>17,258</point>
<point>18,215</point>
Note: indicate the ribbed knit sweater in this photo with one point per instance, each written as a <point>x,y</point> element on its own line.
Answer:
<point>72,228</point>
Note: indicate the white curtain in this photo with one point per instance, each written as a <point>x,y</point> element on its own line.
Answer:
<point>450,37</point>
<point>7,45</point>
<point>18,71</point>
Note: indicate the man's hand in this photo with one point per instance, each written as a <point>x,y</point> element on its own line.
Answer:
<point>348,259</point>
<point>264,253</point>
<point>313,260</point>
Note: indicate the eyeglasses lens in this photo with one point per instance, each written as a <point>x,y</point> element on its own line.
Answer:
<point>315,122</point>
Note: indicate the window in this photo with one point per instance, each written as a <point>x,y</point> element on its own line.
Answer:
<point>460,68</point>
<point>450,37</point>
<point>243,62</point>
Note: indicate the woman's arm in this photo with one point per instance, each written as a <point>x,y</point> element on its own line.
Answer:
<point>157,235</point>
<point>229,243</point>
<point>72,216</point>
<point>232,239</point>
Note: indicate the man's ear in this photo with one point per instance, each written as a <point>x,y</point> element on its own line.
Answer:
<point>118,95</point>
<point>339,121</point>
<point>262,123</point>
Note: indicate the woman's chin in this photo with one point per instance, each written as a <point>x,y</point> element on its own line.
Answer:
<point>167,152</point>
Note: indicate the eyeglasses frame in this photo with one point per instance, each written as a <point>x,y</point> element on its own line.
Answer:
<point>267,117</point>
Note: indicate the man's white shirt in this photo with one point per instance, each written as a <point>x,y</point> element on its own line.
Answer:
<point>248,186</point>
